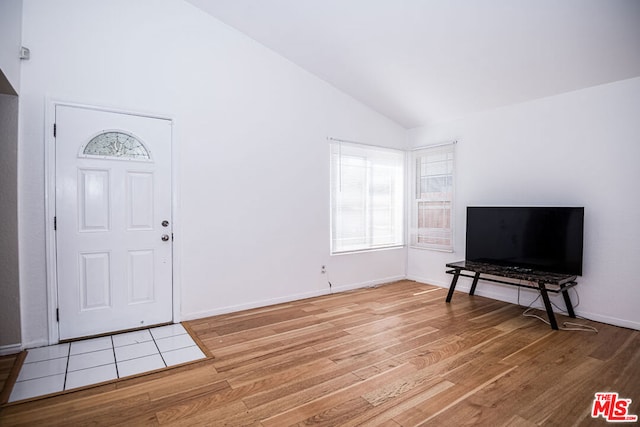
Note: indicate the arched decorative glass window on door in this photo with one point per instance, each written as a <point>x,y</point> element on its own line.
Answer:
<point>116,144</point>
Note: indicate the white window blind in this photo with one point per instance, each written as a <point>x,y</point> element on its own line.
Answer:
<point>432,210</point>
<point>366,197</point>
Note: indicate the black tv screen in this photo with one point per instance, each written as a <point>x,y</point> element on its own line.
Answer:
<point>539,238</point>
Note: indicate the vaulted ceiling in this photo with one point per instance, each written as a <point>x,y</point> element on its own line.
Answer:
<point>419,62</point>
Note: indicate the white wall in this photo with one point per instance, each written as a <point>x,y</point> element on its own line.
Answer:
<point>10,42</point>
<point>251,128</point>
<point>577,149</point>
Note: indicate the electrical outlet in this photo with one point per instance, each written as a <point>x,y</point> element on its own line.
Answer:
<point>323,269</point>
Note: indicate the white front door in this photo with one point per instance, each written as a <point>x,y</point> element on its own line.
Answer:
<point>113,221</point>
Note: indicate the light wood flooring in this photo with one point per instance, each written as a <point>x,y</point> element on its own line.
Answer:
<point>395,355</point>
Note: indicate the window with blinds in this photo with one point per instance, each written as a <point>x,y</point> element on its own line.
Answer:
<point>366,197</point>
<point>432,207</point>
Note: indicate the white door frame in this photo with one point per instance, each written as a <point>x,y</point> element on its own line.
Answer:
<point>50,209</point>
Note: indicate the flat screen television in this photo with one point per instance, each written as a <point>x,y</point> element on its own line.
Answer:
<point>538,238</point>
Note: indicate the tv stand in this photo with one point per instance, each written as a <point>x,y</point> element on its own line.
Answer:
<point>542,281</point>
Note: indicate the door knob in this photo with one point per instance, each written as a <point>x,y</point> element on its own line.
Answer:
<point>165,223</point>
<point>165,237</point>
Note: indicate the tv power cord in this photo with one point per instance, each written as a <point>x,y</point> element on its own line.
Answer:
<point>566,326</point>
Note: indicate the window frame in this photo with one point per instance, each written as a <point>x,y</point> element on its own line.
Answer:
<point>397,189</point>
<point>415,198</point>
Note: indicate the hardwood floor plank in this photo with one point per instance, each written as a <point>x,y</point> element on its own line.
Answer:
<point>339,414</point>
<point>325,403</point>
<point>442,402</point>
<point>291,396</point>
<point>228,414</point>
<point>560,393</point>
<point>384,413</point>
<point>268,379</point>
<point>9,371</point>
<point>606,350</point>
<point>194,408</point>
<point>393,355</point>
<point>513,340</point>
<point>522,388</point>
<point>518,421</point>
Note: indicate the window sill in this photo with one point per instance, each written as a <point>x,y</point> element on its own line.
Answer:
<point>422,248</point>
<point>358,251</point>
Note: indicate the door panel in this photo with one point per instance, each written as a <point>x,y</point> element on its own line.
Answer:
<point>113,192</point>
<point>95,283</point>
<point>140,201</point>
<point>93,200</point>
<point>141,266</point>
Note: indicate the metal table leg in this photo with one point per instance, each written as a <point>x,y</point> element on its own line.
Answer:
<point>567,301</point>
<point>473,285</point>
<point>454,281</point>
<point>547,305</point>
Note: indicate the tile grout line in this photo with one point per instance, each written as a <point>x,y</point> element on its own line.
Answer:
<point>66,369</point>
<point>159,352</point>
<point>42,376</point>
<point>115,359</point>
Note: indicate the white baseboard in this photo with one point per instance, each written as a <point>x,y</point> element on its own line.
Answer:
<point>609,320</point>
<point>36,343</point>
<point>288,298</point>
<point>426,281</point>
<point>369,284</point>
<point>250,305</point>
<point>10,349</point>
